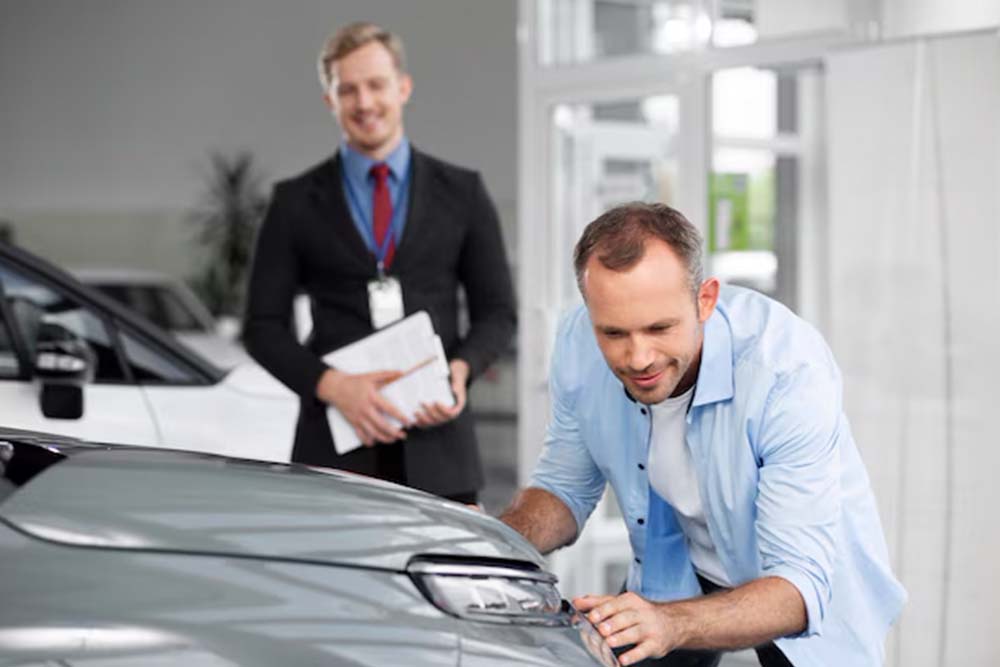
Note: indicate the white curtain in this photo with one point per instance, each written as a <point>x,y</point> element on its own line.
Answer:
<point>913,316</point>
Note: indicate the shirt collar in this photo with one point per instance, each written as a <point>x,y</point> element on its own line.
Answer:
<point>715,375</point>
<point>357,165</point>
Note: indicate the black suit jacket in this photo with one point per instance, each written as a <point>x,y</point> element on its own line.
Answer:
<point>309,243</point>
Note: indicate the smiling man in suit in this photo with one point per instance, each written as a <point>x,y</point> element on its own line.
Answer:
<point>376,232</point>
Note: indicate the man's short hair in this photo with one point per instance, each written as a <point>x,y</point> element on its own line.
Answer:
<point>618,239</point>
<point>351,38</point>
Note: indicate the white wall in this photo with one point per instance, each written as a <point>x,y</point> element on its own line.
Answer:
<point>109,109</point>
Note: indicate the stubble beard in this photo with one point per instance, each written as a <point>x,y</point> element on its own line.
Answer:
<point>672,375</point>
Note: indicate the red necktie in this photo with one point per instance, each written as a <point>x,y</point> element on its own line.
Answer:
<point>382,212</point>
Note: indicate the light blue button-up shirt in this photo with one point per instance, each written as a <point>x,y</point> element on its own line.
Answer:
<point>784,490</point>
<point>359,189</point>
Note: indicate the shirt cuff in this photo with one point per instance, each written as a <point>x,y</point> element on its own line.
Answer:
<point>578,513</point>
<point>810,596</point>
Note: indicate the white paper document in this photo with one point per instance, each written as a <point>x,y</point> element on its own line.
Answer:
<point>409,345</point>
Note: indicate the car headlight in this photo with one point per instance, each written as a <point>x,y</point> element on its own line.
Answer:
<point>490,592</point>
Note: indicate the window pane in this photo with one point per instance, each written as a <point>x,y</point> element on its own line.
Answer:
<point>156,303</point>
<point>572,31</point>
<point>746,21</point>
<point>745,103</point>
<point>175,313</point>
<point>28,298</point>
<point>575,31</point>
<point>150,366</point>
<point>741,218</point>
<point>757,193</point>
<point>610,153</point>
<point>140,299</point>
<point>143,300</point>
<point>9,366</point>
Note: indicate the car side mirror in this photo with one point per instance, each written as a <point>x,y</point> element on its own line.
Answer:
<point>64,363</point>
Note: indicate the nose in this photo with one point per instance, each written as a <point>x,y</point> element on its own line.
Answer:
<point>640,355</point>
<point>365,98</point>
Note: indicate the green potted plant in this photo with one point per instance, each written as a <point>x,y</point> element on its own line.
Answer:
<point>227,218</point>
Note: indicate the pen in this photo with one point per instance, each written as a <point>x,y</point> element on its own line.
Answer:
<point>413,369</point>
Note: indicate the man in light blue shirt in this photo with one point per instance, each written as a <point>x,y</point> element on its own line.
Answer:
<point>777,516</point>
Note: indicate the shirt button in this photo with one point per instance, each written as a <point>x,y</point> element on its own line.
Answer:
<point>640,521</point>
<point>638,560</point>
<point>642,410</point>
<point>642,467</point>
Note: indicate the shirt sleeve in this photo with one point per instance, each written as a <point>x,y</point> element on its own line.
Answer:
<point>799,496</point>
<point>565,467</point>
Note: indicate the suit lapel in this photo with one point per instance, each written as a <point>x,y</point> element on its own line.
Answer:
<point>333,213</point>
<point>421,200</point>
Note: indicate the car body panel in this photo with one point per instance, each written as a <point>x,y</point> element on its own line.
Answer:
<point>248,414</point>
<point>112,413</point>
<point>176,501</point>
<point>116,556</point>
<point>252,380</point>
<point>120,607</point>
<point>249,419</point>
<point>128,608</point>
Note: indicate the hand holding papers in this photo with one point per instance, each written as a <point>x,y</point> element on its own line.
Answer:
<point>411,349</point>
<point>435,414</point>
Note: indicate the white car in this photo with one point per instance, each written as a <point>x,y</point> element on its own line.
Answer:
<point>74,361</point>
<point>170,304</point>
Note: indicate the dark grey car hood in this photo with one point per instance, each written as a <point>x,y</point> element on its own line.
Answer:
<point>159,500</point>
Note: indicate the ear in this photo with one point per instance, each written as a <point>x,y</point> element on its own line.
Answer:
<point>708,296</point>
<point>328,98</point>
<point>405,87</point>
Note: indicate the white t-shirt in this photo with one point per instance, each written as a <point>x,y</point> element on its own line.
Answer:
<point>672,475</point>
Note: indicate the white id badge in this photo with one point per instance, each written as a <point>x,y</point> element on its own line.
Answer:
<point>385,301</point>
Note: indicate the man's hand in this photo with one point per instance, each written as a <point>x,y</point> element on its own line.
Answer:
<point>435,414</point>
<point>630,619</point>
<point>357,397</point>
<point>748,615</point>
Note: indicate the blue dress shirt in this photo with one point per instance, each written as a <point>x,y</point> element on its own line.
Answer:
<point>359,188</point>
<point>784,489</point>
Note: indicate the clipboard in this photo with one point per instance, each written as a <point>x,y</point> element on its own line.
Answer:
<point>410,346</point>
